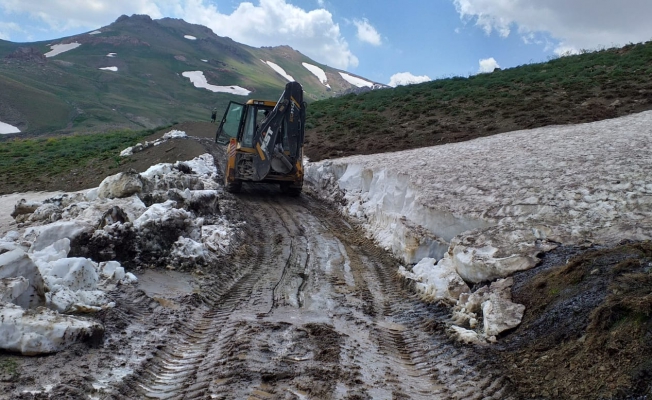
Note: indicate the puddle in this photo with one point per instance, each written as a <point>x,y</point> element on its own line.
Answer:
<point>161,285</point>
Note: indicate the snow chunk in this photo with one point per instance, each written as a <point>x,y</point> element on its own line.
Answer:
<point>189,37</point>
<point>199,80</point>
<point>500,314</point>
<point>436,281</point>
<point>42,331</point>
<point>279,70</point>
<point>61,48</point>
<point>355,81</point>
<point>12,288</point>
<point>174,134</point>
<point>123,184</point>
<point>318,72</point>
<point>466,335</point>
<point>114,69</point>
<point>17,263</point>
<point>6,128</point>
<point>46,235</point>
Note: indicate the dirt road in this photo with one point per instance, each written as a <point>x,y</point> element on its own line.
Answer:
<point>307,308</point>
<point>303,307</point>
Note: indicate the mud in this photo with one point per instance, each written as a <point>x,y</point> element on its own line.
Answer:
<point>306,307</point>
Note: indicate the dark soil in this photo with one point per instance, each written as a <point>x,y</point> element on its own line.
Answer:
<point>587,328</point>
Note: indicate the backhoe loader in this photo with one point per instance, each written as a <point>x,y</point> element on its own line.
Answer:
<point>264,141</point>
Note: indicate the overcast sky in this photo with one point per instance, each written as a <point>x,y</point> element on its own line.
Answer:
<point>385,41</point>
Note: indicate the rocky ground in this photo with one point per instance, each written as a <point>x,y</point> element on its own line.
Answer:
<point>307,307</point>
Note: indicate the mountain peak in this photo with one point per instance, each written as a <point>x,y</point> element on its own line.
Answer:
<point>134,18</point>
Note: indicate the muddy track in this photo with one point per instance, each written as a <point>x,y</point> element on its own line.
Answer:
<point>307,308</point>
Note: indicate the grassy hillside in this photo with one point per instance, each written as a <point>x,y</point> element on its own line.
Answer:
<point>148,89</point>
<point>573,89</point>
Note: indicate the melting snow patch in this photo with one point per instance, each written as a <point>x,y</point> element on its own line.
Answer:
<point>486,208</point>
<point>318,72</point>
<point>355,81</point>
<point>114,69</point>
<point>111,54</point>
<point>114,230</point>
<point>138,147</point>
<point>6,128</point>
<point>61,48</point>
<point>279,70</point>
<point>189,37</point>
<point>204,60</point>
<point>94,32</point>
<point>199,80</point>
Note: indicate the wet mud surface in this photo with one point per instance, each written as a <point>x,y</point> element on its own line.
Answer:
<point>306,307</point>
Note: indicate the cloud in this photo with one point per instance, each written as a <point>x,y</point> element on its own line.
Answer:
<point>367,33</point>
<point>60,15</point>
<point>577,24</point>
<point>406,78</point>
<point>6,27</point>
<point>267,23</point>
<point>276,22</point>
<point>488,65</point>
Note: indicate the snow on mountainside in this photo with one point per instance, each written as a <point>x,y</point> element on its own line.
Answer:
<point>354,80</point>
<point>6,128</point>
<point>279,70</point>
<point>199,80</point>
<point>484,209</point>
<point>61,48</point>
<point>318,72</point>
<point>213,64</point>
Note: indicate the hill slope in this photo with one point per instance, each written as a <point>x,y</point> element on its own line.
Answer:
<point>567,90</point>
<point>130,74</point>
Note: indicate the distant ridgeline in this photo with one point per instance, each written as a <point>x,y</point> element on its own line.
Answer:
<point>142,73</point>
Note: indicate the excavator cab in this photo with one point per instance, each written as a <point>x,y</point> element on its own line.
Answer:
<point>263,141</point>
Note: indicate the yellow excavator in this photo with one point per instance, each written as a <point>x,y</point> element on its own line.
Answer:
<point>264,141</point>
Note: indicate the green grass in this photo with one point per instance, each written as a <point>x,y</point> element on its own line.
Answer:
<point>54,155</point>
<point>571,89</point>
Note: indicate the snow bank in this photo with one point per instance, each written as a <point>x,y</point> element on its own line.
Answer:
<point>6,128</point>
<point>107,227</point>
<point>61,48</point>
<point>318,72</point>
<point>114,69</point>
<point>355,81</point>
<point>279,70</point>
<point>487,207</point>
<point>199,80</point>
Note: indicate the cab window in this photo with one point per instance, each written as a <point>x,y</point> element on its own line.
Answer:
<point>230,123</point>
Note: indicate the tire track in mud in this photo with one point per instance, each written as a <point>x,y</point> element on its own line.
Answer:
<point>173,371</point>
<point>309,308</point>
<point>407,328</point>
